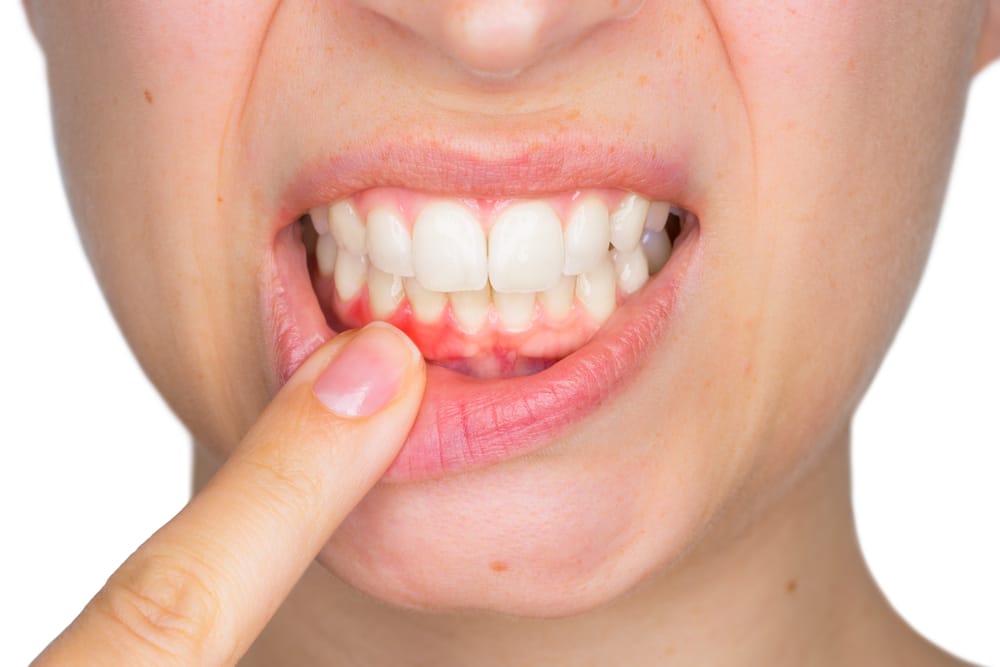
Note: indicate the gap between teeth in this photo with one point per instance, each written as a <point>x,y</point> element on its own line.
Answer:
<point>530,261</point>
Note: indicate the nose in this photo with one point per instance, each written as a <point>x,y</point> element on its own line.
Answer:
<point>501,37</point>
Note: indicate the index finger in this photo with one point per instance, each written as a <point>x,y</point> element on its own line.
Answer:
<point>202,587</point>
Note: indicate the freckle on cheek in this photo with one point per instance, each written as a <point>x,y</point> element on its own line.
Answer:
<point>498,566</point>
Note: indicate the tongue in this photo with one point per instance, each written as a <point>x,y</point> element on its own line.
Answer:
<point>491,351</point>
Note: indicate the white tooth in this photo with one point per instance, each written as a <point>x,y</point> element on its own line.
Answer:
<point>427,305</point>
<point>558,301</point>
<point>350,274</point>
<point>526,249</point>
<point>631,269</point>
<point>627,221</point>
<point>656,218</point>
<point>470,308</point>
<point>515,309</point>
<point>449,249</point>
<point>656,246</point>
<point>587,236</point>
<point>596,290</point>
<point>326,254</point>
<point>348,228</point>
<point>385,293</point>
<point>389,245</point>
<point>321,219</point>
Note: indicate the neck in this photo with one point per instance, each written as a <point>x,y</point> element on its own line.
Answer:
<point>790,587</point>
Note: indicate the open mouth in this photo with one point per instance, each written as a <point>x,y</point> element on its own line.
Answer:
<point>529,311</point>
<point>488,288</point>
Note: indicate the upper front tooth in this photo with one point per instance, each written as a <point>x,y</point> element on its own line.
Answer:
<point>656,218</point>
<point>449,249</point>
<point>526,249</point>
<point>587,236</point>
<point>348,228</point>
<point>389,244</point>
<point>627,221</point>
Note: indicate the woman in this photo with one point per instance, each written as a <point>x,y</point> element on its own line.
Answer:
<point>650,254</point>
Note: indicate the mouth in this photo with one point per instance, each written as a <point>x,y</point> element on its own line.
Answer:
<point>531,311</point>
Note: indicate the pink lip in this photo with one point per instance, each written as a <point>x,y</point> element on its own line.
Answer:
<point>464,422</point>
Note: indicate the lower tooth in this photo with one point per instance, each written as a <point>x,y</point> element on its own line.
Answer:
<point>385,293</point>
<point>326,254</point>
<point>558,301</point>
<point>470,308</point>
<point>656,246</point>
<point>350,274</point>
<point>427,305</point>
<point>631,268</point>
<point>596,290</point>
<point>515,310</point>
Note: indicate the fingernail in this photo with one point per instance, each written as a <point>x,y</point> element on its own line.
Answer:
<point>367,373</point>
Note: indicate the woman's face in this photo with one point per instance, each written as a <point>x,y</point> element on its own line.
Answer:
<point>809,142</point>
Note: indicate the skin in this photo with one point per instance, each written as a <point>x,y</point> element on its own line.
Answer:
<point>821,141</point>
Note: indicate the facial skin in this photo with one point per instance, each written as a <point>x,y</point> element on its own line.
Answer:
<point>817,138</point>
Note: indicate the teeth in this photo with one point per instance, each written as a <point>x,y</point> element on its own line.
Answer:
<point>427,305</point>
<point>326,254</point>
<point>350,274</point>
<point>526,249</point>
<point>470,308</point>
<point>449,249</point>
<point>385,293</point>
<point>531,259</point>
<point>389,245</point>
<point>515,310</point>
<point>627,222</point>
<point>321,219</point>
<point>558,301</point>
<point>348,228</point>
<point>587,236</point>
<point>596,290</point>
<point>656,246</point>
<point>631,269</point>
<point>656,218</point>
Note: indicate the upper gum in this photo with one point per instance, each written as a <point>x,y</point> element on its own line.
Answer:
<point>409,203</point>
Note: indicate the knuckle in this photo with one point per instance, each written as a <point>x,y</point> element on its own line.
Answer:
<point>163,601</point>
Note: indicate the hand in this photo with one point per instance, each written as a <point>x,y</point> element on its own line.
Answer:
<point>202,588</point>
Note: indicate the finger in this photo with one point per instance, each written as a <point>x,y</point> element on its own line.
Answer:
<point>203,586</point>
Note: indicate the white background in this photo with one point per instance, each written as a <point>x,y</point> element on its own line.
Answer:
<point>92,461</point>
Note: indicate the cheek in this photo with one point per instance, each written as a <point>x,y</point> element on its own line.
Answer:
<point>853,108</point>
<point>142,98</point>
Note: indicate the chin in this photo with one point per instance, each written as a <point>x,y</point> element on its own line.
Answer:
<point>548,535</point>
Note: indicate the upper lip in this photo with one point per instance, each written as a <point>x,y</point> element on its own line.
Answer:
<point>488,168</point>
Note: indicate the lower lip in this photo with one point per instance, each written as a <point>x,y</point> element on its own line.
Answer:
<point>464,422</point>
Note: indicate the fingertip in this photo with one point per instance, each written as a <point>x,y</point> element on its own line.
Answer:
<point>369,371</point>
